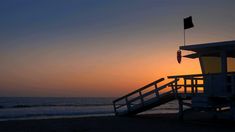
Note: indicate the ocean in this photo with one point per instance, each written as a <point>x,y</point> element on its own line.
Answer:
<point>21,108</point>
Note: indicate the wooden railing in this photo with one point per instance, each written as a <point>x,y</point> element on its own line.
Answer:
<point>198,83</point>
<point>189,84</point>
<point>140,97</point>
<point>182,85</point>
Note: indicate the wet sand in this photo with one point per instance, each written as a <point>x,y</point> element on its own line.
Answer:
<point>141,123</point>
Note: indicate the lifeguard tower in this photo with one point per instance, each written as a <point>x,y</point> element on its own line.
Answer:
<point>213,90</point>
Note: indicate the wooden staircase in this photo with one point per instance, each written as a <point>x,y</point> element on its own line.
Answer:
<point>145,98</point>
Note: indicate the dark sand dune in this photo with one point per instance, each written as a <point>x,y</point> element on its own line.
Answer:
<point>143,123</point>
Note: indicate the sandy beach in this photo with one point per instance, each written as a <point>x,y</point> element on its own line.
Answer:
<point>141,123</point>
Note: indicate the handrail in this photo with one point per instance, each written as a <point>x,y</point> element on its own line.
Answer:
<point>189,75</point>
<point>140,89</point>
<point>168,84</point>
<point>141,96</point>
<point>197,75</point>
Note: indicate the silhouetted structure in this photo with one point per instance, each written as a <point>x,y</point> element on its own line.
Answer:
<point>213,90</point>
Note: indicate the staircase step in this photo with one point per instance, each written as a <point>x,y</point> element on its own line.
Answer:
<point>147,100</point>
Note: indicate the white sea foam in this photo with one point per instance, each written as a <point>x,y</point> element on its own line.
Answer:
<point>41,108</point>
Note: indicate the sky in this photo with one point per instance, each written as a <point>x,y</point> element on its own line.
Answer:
<point>101,48</point>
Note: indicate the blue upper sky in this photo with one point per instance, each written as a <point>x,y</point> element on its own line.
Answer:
<point>81,38</point>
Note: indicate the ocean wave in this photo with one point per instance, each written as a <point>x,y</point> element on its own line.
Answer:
<point>54,105</point>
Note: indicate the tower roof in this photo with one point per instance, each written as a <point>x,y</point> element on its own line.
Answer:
<point>210,49</point>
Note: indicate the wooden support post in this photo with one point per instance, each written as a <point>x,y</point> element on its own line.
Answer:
<point>232,108</point>
<point>210,83</point>
<point>196,87</point>
<point>128,104</point>
<point>156,90</point>
<point>185,87</point>
<point>176,86</point>
<point>233,85</point>
<point>172,89</point>
<point>141,98</point>
<point>192,85</point>
<point>214,113</point>
<point>114,106</point>
<point>223,55</point>
<point>181,109</point>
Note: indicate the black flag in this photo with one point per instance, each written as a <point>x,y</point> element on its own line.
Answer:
<point>188,22</point>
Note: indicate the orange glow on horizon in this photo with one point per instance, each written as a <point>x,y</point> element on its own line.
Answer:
<point>111,75</point>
